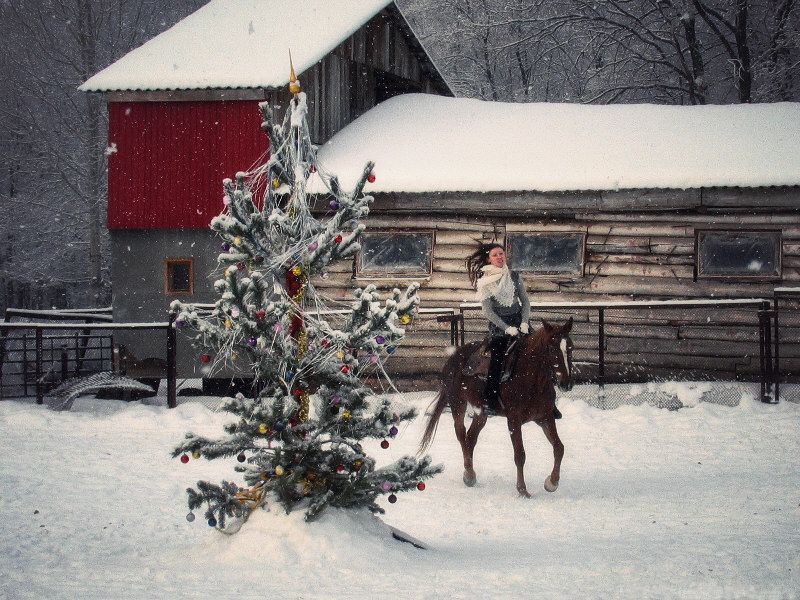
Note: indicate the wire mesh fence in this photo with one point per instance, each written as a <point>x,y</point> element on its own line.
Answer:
<point>786,303</point>
<point>666,353</point>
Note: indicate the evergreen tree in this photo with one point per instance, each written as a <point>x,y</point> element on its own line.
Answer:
<point>298,436</point>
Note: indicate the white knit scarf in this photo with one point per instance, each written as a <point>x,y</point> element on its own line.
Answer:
<point>496,283</point>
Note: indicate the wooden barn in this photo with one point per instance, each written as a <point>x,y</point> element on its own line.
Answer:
<point>183,115</point>
<point>666,209</point>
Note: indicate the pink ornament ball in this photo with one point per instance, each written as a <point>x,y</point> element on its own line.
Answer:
<point>386,486</point>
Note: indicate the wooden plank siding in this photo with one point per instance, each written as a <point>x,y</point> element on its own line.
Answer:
<point>639,246</point>
<point>347,82</point>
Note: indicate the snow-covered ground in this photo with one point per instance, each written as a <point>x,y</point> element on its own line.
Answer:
<point>701,502</point>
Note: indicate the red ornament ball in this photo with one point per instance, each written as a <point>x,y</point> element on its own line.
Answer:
<point>185,459</point>
<point>261,314</point>
<point>338,239</point>
<point>371,178</point>
<point>345,369</point>
<point>385,444</point>
<point>339,468</point>
<point>206,358</point>
<point>392,498</point>
<point>421,486</point>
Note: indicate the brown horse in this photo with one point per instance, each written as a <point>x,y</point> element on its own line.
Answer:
<point>528,395</point>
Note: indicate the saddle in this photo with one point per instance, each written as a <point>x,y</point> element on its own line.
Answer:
<point>477,364</point>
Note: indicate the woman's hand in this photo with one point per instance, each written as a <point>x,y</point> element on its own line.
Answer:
<point>512,331</point>
<point>524,328</point>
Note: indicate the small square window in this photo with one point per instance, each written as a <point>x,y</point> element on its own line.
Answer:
<point>558,253</point>
<point>395,254</point>
<point>738,254</point>
<point>178,276</point>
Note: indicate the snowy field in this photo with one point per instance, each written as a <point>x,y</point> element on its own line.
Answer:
<point>701,502</point>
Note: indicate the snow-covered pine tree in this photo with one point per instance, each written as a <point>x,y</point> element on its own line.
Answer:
<point>298,435</point>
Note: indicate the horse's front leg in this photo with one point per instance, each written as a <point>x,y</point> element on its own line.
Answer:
<point>468,447</point>
<point>550,431</point>
<point>515,429</point>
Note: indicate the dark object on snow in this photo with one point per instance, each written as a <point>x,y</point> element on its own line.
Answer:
<point>64,395</point>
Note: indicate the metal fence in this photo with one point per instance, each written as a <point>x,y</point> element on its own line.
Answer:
<point>37,357</point>
<point>752,341</point>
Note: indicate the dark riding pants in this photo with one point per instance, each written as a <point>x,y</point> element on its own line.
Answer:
<point>497,346</point>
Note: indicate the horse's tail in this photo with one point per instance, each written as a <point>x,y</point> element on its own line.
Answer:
<point>441,401</point>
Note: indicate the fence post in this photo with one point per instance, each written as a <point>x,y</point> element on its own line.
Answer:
<point>172,368</point>
<point>601,356</point>
<point>767,371</point>
<point>64,363</point>
<point>777,372</point>
<point>39,350</point>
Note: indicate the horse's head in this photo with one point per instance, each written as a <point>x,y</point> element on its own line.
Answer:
<point>559,346</point>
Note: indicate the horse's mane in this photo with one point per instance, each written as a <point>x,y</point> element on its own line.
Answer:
<point>536,342</point>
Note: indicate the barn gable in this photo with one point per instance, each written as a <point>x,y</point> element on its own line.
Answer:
<point>183,108</point>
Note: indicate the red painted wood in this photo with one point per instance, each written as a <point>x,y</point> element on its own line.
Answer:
<point>171,158</point>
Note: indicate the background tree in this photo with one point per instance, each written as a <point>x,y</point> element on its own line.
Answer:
<point>53,138</point>
<point>664,51</point>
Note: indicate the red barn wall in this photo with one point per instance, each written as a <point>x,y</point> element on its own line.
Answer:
<point>171,158</point>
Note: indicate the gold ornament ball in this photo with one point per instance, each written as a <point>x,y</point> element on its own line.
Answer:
<point>195,454</point>
<point>405,319</point>
<point>262,428</point>
<point>279,470</point>
<point>237,241</point>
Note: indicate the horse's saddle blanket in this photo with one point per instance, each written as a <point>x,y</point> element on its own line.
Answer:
<point>477,364</point>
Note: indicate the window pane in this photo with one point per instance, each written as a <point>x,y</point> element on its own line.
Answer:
<point>547,253</point>
<point>178,275</point>
<point>739,253</point>
<point>395,253</point>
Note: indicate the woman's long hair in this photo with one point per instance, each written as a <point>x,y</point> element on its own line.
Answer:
<point>479,259</point>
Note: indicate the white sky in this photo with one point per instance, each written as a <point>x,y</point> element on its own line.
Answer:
<point>425,143</point>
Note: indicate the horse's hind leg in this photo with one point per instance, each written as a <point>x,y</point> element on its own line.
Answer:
<point>549,427</point>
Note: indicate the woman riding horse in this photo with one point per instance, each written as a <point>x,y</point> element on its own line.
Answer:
<point>505,303</point>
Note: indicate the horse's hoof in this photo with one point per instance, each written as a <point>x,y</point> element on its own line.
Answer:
<point>523,493</point>
<point>470,481</point>
<point>549,485</point>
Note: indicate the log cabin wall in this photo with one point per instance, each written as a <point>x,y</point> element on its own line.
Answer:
<point>640,245</point>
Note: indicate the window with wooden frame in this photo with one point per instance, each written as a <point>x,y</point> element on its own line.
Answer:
<point>178,276</point>
<point>557,253</point>
<point>738,254</point>
<point>395,254</point>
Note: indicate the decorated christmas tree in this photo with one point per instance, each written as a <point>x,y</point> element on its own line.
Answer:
<point>297,436</point>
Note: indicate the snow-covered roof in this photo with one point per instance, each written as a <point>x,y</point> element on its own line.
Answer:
<point>237,44</point>
<point>426,143</point>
